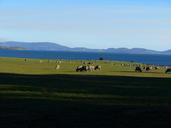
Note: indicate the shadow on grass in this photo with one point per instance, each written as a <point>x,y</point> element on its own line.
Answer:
<point>28,113</point>
<point>20,79</point>
<point>93,84</point>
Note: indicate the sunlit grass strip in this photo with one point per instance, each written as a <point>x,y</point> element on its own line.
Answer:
<point>102,99</point>
<point>109,68</point>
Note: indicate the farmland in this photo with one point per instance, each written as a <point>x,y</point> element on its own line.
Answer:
<point>34,94</point>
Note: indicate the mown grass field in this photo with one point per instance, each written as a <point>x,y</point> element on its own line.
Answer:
<point>35,95</point>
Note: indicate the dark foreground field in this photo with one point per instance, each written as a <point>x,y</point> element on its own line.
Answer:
<point>80,101</point>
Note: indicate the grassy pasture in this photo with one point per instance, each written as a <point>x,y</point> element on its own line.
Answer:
<point>37,66</point>
<point>34,94</point>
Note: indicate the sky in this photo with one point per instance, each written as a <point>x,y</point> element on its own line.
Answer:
<point>88,23</point>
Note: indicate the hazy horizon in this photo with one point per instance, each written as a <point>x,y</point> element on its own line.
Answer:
<point>88,23</point>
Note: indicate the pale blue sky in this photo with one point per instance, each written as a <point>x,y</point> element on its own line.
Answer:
<point>88,23</point>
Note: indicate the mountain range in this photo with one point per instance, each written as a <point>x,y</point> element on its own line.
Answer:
<point>48,46</point>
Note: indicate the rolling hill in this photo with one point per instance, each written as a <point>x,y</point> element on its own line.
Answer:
<point>49,46</point>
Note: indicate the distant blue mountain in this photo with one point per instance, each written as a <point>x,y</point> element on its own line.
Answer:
<point>35,46</point>
<point>48,46</point>
<point>133,51</point>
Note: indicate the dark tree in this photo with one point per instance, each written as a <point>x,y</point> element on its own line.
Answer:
<point>101,58</point>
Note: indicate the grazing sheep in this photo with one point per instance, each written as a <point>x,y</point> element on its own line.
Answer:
<point>144,68</point>
<point>168,70</point>
<point>98,67</point>
<point>138,69</point>
<point>122,64</point>
<point>151,67</point>
<point>81,68</point>
<point>147,69</point>
<point>90,63</point>
<point>156,68</point>
<point>58,62</point>
<point>91,68</point>
<point>85,68</point>
<point>57,67</point>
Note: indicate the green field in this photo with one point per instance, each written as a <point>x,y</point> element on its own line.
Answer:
<point>43,66</point>
<point>34,94</point>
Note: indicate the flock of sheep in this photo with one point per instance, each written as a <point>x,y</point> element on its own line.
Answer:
<point>87,68</point>
<point>149,68</point>
<point>145,68</point>
<point>91,67</point>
